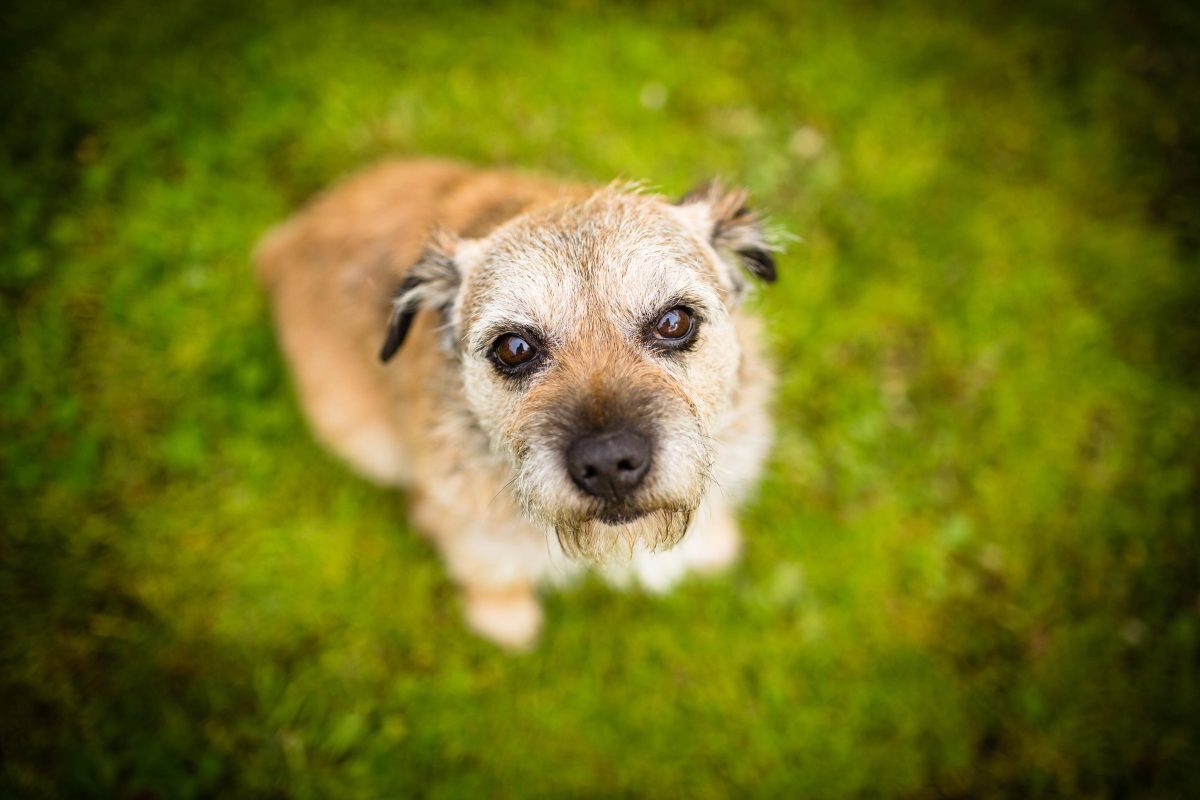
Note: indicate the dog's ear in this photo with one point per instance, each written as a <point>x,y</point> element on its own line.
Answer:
<point>431,283</point>
<point>734,230</point>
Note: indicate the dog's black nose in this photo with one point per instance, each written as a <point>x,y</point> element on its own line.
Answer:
<point>609,465</point>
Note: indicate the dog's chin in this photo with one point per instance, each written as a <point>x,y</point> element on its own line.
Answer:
<point>617,533</point>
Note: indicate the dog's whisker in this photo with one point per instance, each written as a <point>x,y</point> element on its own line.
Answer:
<point>501,491</point>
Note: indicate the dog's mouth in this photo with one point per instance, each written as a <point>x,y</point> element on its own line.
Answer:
<point>622,515</point>
<point>618,532</point>
<point>596,528</point>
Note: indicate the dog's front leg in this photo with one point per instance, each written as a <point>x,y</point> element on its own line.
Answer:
<point>499,593</point>
<point>496,557</point>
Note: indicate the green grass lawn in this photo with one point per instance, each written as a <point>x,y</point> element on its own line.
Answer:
<point>973,569</point>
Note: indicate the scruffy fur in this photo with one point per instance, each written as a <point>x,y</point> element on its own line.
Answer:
<point>433,261</point>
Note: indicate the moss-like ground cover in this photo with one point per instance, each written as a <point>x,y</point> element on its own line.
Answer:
<point>973,569</point>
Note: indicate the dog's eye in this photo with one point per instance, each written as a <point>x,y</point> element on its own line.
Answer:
<point>512,350</point>
<point>675,324</point>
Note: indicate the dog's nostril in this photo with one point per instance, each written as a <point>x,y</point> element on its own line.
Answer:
<point>625,465</point>
<point>589,472</point>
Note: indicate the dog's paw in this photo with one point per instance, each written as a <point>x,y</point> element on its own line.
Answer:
<point>715,548</point>
<point>510,618</point>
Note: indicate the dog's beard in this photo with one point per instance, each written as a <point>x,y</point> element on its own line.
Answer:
<point>597,540</point>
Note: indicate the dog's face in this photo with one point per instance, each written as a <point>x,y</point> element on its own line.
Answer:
<point>598,353</point>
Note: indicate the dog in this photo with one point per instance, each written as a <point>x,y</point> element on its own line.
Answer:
<point>558,374</point>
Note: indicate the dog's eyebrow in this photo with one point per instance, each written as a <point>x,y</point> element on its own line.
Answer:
<point>497,329</point>
<point>698,307</point>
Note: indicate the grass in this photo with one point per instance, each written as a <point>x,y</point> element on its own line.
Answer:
<point>972,569</point>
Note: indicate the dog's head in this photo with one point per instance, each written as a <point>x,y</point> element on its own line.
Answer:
<point>598,352</point>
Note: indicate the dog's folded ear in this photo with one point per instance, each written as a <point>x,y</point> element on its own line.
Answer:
<point>431,283</point>
<point>733,229</point>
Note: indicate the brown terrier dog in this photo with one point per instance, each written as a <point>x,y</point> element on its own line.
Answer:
<point>584,376</point>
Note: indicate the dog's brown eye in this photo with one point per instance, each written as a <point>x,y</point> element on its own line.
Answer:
<point>675,324</point>
<point>512,350</point>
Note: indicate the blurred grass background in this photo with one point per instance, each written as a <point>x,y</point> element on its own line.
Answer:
<point>972,571</point>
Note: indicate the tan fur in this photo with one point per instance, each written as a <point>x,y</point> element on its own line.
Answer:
<point>480,456</point>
